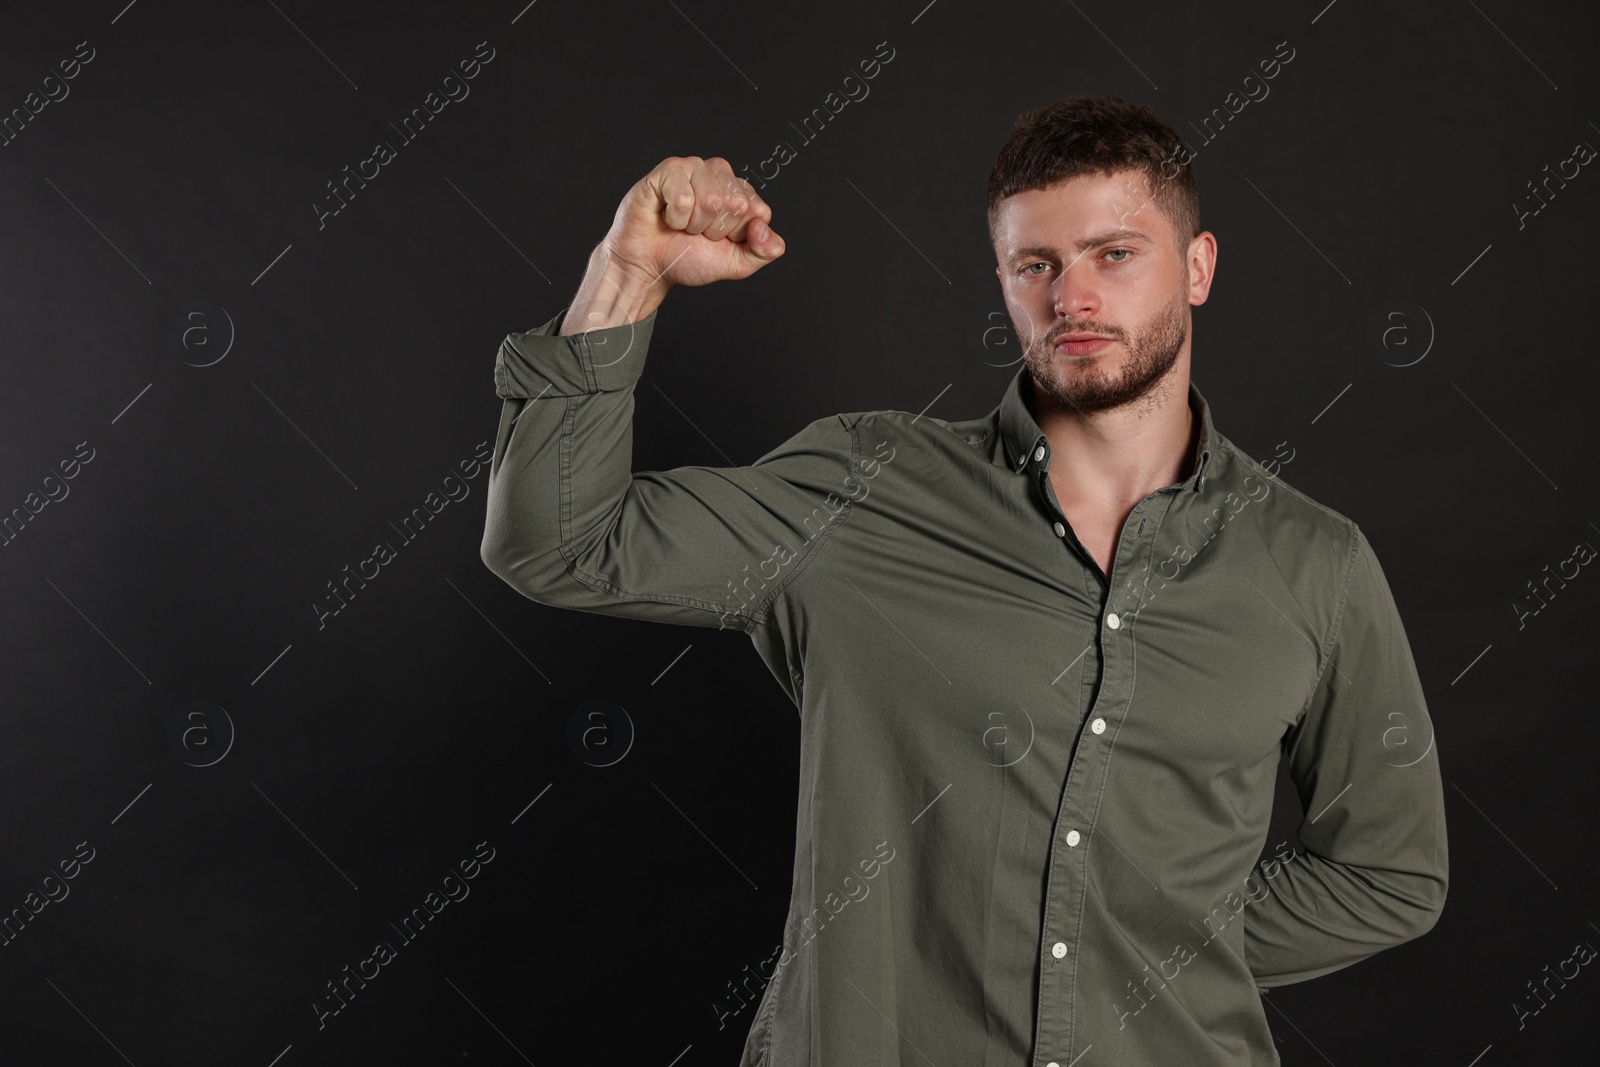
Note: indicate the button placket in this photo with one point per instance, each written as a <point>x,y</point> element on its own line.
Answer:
<point>1113,691</point>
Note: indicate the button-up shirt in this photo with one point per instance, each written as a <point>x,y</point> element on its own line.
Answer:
<point>1033,799</point>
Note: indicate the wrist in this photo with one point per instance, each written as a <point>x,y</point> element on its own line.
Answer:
<point>612,294</point>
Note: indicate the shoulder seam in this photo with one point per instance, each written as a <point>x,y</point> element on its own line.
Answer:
<point>1238,454</point>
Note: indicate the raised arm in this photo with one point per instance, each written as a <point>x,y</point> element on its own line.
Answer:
<point>1366,765</point>
<point>569,523</point>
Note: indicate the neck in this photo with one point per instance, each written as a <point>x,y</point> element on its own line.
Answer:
<point>1116,458</point>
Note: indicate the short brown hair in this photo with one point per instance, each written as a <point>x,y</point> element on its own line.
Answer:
<point>1080,135</point>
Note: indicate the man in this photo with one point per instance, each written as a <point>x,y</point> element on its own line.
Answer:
<point>1046,660</point>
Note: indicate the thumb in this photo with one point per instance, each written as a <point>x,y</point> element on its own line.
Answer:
<point>761,245</point>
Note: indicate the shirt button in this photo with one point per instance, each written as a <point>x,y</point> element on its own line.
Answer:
<point>1113,620</point>
<point>1052,1063</point>
<point>1061,531</point>
<point>1072,837</point>
<point>1038,453</point>
<point>1058,950</point>
<point>1098,726</point>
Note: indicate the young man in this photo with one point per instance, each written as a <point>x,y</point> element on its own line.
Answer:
<point>1046,660</point>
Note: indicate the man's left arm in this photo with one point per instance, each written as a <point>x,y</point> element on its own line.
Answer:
<point>1366,765</point>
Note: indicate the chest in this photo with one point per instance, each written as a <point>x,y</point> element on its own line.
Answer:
<point>1097,527</point>
<point>935,650</point>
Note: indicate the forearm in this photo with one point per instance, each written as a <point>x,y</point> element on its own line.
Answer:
<point>1320,916</point>
<point>563,452</point>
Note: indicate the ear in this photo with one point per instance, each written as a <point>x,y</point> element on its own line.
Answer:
<point>1202,266</point>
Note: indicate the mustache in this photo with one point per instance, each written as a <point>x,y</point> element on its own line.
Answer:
<point>1099,331</point>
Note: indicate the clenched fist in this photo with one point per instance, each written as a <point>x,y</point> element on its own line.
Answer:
<point>691,221</point>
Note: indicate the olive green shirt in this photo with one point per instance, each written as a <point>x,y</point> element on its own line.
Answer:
<point>1033,802</point>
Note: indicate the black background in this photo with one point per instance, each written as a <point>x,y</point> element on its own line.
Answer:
<point>369,755</point>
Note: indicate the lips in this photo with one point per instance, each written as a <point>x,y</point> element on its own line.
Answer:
<point>1081,344</point>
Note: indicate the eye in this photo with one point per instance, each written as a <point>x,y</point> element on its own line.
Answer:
<point>1125,251</point>
<point>1025,269</point>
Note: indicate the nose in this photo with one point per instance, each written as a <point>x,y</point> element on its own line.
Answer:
<point>1074,291</point>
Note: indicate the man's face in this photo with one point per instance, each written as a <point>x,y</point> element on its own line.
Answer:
<point>1095,255</point>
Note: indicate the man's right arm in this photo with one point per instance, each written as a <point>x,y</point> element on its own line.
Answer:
<point>569,523</point>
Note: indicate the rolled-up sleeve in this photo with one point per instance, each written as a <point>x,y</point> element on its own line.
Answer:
<point>1365,762</point>
<point>570,524</point>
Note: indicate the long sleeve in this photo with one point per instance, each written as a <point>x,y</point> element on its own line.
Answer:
<point>570,524</point>
<point>1365,763</point>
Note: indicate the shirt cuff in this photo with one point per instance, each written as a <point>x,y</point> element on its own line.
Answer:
<point>543,362</point>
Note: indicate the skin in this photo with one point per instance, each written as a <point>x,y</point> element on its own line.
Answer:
<point>1118,420</point>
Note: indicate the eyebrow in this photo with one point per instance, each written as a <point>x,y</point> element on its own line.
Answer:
<point>1109,236</point>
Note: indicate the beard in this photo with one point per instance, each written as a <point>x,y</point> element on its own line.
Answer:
<point>1080,382</point>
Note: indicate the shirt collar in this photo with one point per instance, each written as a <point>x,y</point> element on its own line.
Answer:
<point>1025,447</point>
